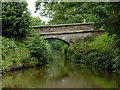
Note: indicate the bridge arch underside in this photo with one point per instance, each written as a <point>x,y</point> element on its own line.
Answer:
<point>47,38</point>
<point>68,37</point>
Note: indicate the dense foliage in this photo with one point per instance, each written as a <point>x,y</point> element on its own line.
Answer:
<point>0,10</point>
<point>37,21</point>
<point>61,12</point>
<point>16,55</point>
<point>38,49</point>
<point>16,25</point>
<point>16,19</point>
<point>99,52</point>
<point>0,19</point>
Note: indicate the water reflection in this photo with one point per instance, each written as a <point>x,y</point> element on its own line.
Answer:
<point>60,73</point>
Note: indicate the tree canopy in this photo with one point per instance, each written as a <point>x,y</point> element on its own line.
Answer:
<point>16,19</point>
<point>0,19</point>
<point>37,21</point>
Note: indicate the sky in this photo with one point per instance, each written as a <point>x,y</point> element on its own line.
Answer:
<point>31,7</point>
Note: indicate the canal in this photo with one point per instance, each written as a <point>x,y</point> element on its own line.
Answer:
<point>60,73</point>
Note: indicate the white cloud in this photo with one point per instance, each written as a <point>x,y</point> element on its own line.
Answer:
<point>31,7</point>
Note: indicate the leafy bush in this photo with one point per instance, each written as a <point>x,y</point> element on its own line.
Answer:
<point>103,42</point>
<point>14,55</point>
<point>99,52</point>
<point>38,49</point>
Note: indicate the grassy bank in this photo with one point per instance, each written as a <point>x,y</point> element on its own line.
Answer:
<point>97,52</point>
<point>17,55</point>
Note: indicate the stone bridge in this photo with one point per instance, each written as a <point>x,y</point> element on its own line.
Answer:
<point>66,32</point>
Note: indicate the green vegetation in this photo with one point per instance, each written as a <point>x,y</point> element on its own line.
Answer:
<point>65,12</point>
<point>99,52</point>
<point>16,55</point>
<point>56,44</point>
<point>0,10</point>
<point>38,49</point>
<point>37,21</point>
<point>16,20</point>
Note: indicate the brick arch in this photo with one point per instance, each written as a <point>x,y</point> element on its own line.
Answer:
<point>58,39</point>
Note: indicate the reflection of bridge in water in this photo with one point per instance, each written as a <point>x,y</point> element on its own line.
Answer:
<point>66,32</point>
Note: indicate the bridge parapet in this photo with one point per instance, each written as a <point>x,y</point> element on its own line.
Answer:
<point>63,28</point>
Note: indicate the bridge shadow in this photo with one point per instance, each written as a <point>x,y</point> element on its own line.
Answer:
<point>54,38</point>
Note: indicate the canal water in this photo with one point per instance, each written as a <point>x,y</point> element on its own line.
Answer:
<point>60,73</point>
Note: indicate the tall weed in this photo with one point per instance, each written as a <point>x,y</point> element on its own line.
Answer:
<point>97,52</point>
